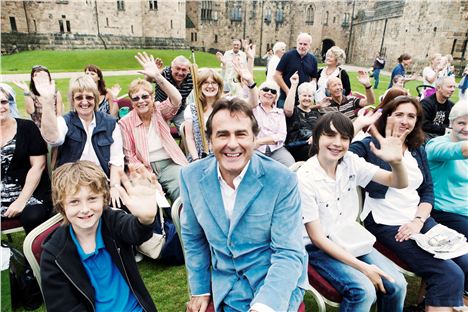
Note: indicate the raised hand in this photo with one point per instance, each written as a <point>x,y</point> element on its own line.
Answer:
<point>115,90</point>
<point>159,63</point>
<point>220,57</point>
<point>391,146</point>
<point>139,193</point>
<point>150,69</point>
<point>250,50</point>
<point>326,101</point>
<point>294,79</point>
<point>367,116</point>
<point>22,85</point>
<point>44,86</point>
<point>244,73</point>
<point>363,78</point>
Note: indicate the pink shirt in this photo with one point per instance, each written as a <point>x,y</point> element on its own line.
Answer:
<point>272,124</point>
<point>135,136</point>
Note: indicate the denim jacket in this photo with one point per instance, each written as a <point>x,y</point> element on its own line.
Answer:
<point>376,190</point>
<point>75,139</point>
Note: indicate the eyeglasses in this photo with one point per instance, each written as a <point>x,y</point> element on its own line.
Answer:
<point>80,98</point>
<point>4,102</point>
<point>143,97</point>
<point>272,91</point>
<point>209,83</point>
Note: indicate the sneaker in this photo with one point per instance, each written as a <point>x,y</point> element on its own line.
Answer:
<point>138,257</point>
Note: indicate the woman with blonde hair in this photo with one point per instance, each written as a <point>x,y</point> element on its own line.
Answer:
<point>210,88</point>
<point>335,57</point>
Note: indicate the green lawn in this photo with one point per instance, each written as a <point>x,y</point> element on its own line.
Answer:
<point>76,60</point>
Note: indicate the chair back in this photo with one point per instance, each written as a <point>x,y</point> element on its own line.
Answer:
<point>32,246</point>
<point>11,225</point>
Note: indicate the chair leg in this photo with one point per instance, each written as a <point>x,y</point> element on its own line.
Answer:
<point>10,239</point>
<point>422,291</point>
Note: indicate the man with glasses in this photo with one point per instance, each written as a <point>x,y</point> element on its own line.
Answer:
<point>178,74</point>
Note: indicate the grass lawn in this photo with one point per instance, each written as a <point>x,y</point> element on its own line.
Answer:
<point>76,60</point>
<point>168,285</point>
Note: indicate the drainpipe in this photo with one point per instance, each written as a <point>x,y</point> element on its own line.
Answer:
<point>97,24</point>
<point>383,36</point>
<point>350,34</point>
<point>261,30</point>
<point>26,15</point>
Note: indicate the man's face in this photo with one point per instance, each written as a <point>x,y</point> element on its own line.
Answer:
<point>84,209</point>
<point>236,45</point>
<point>179,71</point>
<point>303,44</point>
<point>460,129</point>
<point>233,142</point>
<point>335,87</point>
<point>447,88</point>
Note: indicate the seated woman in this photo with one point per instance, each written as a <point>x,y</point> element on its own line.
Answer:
<point>272,124</point>
<point>210,88</point>
<point>87,263</point>
<point>448,160</point>
<point>107,97</point>
<point>25,185</point>
<point>300,119</point>
<point>145,130</point>
<point>335,57</point>
<point>327,183</point>
<point>83,133</point>
<point>33,98</point>
<point>394,215</point>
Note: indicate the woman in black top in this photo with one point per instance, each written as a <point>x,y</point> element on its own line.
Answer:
<point>25,184</point>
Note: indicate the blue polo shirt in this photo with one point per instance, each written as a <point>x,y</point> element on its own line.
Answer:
<point>398,70</point>
<point>111,290</point>
<point>291,62</point>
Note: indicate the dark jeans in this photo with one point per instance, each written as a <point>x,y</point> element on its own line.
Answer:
<point>445,279</point>
<point>453,220</point>
<point>376,75</point>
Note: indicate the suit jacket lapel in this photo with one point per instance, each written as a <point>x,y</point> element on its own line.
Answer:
<point>248,191</point>
<point>211,192</point>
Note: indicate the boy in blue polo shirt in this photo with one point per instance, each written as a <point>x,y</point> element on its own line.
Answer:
<point>88,262</point>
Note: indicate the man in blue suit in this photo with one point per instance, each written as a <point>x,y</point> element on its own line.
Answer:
<point>241,223</point>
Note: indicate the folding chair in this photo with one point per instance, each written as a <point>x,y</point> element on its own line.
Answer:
<point>176,212</point>
<point>32,246</point>
<point>10,226</point>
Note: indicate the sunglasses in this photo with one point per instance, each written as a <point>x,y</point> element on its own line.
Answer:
<point>80,98</point>
<point>4,102</point>
<point>266,89</point>
<point>143,97</point>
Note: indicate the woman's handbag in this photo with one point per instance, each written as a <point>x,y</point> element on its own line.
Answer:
<point>153,247</point>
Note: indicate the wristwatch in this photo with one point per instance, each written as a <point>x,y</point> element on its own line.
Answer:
<point>420,219</point>
<point>253,85</point>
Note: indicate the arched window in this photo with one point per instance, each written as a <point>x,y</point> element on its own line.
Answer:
<point>310,15</point>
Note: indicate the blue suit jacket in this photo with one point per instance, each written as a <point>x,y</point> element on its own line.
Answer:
<point>262,242</point>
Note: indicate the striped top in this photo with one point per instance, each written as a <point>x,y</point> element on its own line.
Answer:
<point>135,135</point>
<point>185,87</point>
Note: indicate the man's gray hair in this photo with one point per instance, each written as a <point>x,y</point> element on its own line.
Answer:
<point>279,46</point>
<point>442,80</point>
<point>180,60</point>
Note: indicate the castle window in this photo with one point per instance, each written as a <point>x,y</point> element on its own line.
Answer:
<point>153,5</point>
<point>206,10</point>
<point>120,5</point>
<point>326,18</point>
<point>310,15</point>
<point>13,24</point>
<point>236,14</point>
<point>62,29</point>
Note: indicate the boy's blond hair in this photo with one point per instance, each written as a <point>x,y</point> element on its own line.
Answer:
<point>70,177</point>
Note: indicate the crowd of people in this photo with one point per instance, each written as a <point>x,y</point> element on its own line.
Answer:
<point>250,226</point>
